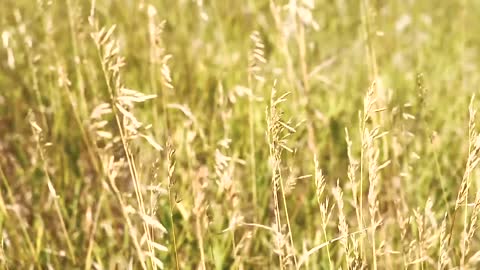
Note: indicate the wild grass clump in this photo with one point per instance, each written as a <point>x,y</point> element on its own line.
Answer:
<point>239,134</point>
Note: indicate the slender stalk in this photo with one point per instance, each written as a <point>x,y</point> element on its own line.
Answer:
<point>130,227</point>
<point>251,125</point>
<point>170,168</point>
<point>76,55</point>
<point>130,159</point>
<point>91,238</point>
<point>290,234</point>
<point>56,203</point>
<point>200,243</point>
<point>26,236</point>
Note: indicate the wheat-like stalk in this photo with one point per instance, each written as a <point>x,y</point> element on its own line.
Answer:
<point>277,133</point>
<point>473,160</point>
<point>322,205</point>
<point>122,101</point>
<point>444,259</point>
<point>472,228</point>
<point>171,201</point>
<point>342,222</point>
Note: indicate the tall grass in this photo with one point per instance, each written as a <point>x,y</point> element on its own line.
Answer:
<point>239,134</point>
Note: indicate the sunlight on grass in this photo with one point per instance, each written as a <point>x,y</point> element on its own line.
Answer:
<point>270,134</point>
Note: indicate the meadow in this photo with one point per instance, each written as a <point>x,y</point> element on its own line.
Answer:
<point>256,134</point>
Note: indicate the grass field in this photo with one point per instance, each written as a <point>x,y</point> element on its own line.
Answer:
<point>281,134</point>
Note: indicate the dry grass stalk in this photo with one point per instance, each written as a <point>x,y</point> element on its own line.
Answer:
<point>373,178</point>
<point>472,162</point>
<point>277,133</point>
<point>171,200</point>
<point>292,25</point>
<point>304,258</point>
<point>403,222</point>
<point>473,156</point>
<point>421,249</point>
<point>122,101</point>
<point>364,116</point>
<point>369,155</point>
<point>472,228</point>
<point>256,61</point>
<point>444,261</point>
<point>224,170</point>
<point>323,204</point>
<point>37,131</point>
<point>351,173</point>
<point>342,222</point>
<point>159,63</point>
<point>112,171</point>
<point>20,222</point>
<point>199,210</point>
